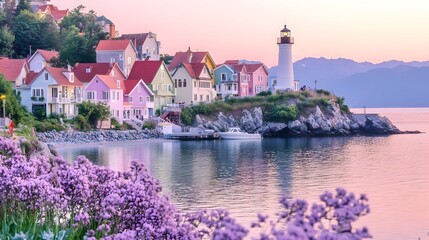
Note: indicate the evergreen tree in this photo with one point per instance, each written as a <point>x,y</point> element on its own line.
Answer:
<point>6,42</point>
<point>23,5</point>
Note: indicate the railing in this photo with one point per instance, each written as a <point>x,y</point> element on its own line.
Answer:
<point>281,40</point>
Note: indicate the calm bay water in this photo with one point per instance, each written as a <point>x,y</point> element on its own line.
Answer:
<point>248,177</point>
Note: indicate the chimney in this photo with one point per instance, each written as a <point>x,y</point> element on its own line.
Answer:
<point>112,31</point>
<point>69,68</point>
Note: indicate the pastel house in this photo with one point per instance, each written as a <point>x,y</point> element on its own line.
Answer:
<point>41,59</point>
<point>87,71</point>
<point>146,44</point>
<point>156,76</point>
<point>52,90</point>
<point>109,90</point>
<point>122,52</point>
<point>193,83</point>
<point>138,100</point>
<point>14,70</point>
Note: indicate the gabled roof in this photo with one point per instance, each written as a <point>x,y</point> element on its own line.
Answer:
<point>11,68</point>
<point>113,45</point>
<point>131,84</point>
<point>232,62</point>
<point>138,37</point>
<point>251,68</point>
<point>47,55</point>
<point>194,69</point>
<point>187,57</point>
<point>57,74</point>
<point>79,70</point>
<point>111,82</point>
<point>145,70</point>
<point>239,68</point>
<point>59,14</point>
<point>30,77</point>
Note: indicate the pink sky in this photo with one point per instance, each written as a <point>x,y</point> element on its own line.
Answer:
<point>364,30</point>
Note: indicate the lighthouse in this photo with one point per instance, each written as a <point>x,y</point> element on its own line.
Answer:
<point>285,78</point>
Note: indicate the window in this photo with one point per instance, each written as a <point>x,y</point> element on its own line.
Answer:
<point>180,82</point>
<point>235,87</point>
<point>113,95</point>
<point>184,82</point>
<point>204,84</point>
<point>88,70</point>
<point>148,99</point>
<point>159,87</point>
<point>112,60</point>
<point>229,87</point>
<point>195,83</point>
<point>105,95</point>
<point>90,95</point>
<point>71,77</point>
<point>129,60</point>
<point>46,76</point>
<point>234,77</point>
<point>201,98</point>
<point>118,83</point>
<point>169,88</point>
<point>223,77</point>
<point>38,92</point>
<point>195,97</point>
<point>175,83</point>
<point>130,99</point>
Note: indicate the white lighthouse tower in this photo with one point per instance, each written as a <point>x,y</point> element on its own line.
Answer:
<point>285,78</point>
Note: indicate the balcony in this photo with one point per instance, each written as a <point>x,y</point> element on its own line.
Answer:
<point>38,99</point>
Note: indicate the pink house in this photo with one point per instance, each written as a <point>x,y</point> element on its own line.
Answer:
<point>109,90</point>
<point>87,71</point>
<point>258,78</point>
<point>138,100</point>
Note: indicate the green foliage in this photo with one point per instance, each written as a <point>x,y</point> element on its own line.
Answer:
<point>28,29</point>
<point>280,113</point>
<point>323,92</point>
<point>23,5</point>
<point>6,42</point>
<point>93,112</point>
<point>341,103</point>
<point>81,123</point>
<point>306,94</point>
<point>48,125</point>
<point>80,36</point>
<point>166,58</point>
<point>157,112</point>
<point>264,93</point>
<point>13,104</point>
<point>149,125</point>
<point>187,116</point>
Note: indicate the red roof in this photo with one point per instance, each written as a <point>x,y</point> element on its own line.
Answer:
<point>112,45</point>
<point>80,70</point>
<point>30,77</point>
<point>138,37</point>
<point>11,68</point>
<point>59,14</point>
<point>251,68</point>
<point>145,70</point>
<point>186,57</point>
<point>47,55</point>
<point>194,69</point>
<point>60,78</point>
<point>111,82</point>
<point>232,62</point>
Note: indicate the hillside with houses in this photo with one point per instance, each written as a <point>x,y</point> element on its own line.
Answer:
<point>127,72</point>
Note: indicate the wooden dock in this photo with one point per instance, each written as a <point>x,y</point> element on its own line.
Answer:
<point>193,136</point>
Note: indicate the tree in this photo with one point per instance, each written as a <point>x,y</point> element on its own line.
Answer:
<point>6,42</point>
<point>80,35</point>
<point>13,104</point>
<point>32,30</point>
<point>94,112</point>
<point>22,5</point>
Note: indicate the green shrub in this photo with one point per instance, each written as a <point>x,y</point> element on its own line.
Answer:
<point>275,98</point>
<point>149,125</point>
<point>341,103</point>
<point>280,113</point>
<point>264,93</point>
<point>323,92</point>
<point>187,116</point>
<point>48,125</point>
<point>306,94</point>
<point>81,123</point>
<point>204,109</point>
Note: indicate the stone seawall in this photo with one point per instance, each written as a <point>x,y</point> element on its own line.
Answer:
<point>97,136</point>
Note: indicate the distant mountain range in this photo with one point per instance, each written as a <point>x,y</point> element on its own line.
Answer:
<point>387,84</point>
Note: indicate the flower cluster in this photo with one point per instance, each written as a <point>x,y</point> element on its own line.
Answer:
<point>53,199</point>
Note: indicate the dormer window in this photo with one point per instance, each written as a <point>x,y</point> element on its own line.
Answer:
<point>88,70</point>
<point>71,77</point>
<point>118,83</point>
<point>46,76</point>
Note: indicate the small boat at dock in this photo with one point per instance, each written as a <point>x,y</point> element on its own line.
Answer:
<point>235,133</point>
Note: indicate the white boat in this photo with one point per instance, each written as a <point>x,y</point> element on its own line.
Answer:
<point>236,133</point>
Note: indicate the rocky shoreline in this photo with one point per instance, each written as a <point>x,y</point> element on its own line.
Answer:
<point>331,122</point>
<point>76,137</point>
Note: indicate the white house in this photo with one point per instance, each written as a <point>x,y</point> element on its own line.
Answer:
<point>52,90</point>
<point>193,83</point>
<point>146,44</point>
<point>41,59</point>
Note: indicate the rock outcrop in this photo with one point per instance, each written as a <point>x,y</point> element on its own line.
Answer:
<point>330,122</point>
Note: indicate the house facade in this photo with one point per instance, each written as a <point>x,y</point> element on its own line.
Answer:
<point>14,70</point>
<point>156,76</point>
<point>193,57</point>
<point>146,44</point>
<point>138,100</point>
<point>52,90</point>
<point>40,59</point>
<point>258,78</point>
<point>108,90</point>
<point>226,81</point>
<point>193,83</point>
<point>121,52</point>
<point>85,72</point>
